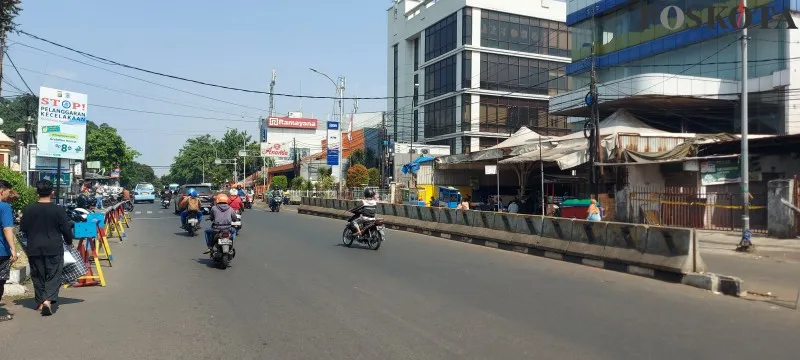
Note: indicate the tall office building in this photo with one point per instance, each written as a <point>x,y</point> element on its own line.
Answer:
<point>468,73</point>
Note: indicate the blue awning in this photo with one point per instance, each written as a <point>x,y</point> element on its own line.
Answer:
<point>413,166</point>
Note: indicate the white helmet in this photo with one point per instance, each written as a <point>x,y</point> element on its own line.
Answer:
<point>233,192</point>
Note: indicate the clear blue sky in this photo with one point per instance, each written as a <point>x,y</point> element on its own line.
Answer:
<point>235,43</point>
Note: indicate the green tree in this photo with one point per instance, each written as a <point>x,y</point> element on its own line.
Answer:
<point>297,183</point>
<point>374,177</point>
<point>104,144</point>
<point>15,112</point>
<point>324,171</point>
<point>9,9</point>
<point>196,156</point>
<point>325,183</point>
<point>357,176</point>
<point>307,185</point>
<point>136,172</point>
<point>357,157</point>
<point>27,194</point>
<point>279,182</point>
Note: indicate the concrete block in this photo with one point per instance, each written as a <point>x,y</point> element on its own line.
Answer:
<point>464,217</point>
<point>556,233</point>
<point>447,216</point>
<point>625,243</point>
<point>641,271</point>
<point>671,249</point>
<point>708,282</point>
<point>593,262</point>
<point>13,290</point>
<point>18,276</point>
<point>504,222</point>
<point>587,238</point>
<point>731,285</point>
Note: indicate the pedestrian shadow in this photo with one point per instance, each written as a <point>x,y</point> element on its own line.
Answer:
<point>30,303</point>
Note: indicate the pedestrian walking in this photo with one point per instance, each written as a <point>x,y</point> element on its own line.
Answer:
<point>8,245</point>
<point>48,229</point>
<point>593,213</point>
<point>98,195</point>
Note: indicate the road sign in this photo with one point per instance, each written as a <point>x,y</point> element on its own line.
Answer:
<point>333,157</point>
<point>61,130</point>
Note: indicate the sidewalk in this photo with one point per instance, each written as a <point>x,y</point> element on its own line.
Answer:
<point>773,270</point>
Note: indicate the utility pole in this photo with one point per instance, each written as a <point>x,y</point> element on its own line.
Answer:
<point>342,82</point>
<point>271,93</point>
<point>744,161</point>
<point>384,145</point>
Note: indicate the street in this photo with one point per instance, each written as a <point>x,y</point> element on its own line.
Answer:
<point>294,293</point>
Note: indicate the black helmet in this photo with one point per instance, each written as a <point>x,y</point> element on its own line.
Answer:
<point>369,193</point>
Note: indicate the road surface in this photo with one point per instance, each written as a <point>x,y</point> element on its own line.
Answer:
<point>294,293</point>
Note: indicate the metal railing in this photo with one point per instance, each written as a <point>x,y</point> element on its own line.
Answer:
<point>692,207</point>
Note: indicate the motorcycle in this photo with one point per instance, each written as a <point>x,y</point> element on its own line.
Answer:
<point>192,224</point>
<point>275,204</point>
<point>238,223</point>
<point>222,252</point>
<point>165,203</point>
<point>248,201</point>
<point>372,234</point>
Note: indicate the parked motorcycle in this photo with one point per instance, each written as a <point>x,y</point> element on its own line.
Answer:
<point>222,252</point>
<point>192,224</point>
<point>275,204</point>
<point>373,233</point>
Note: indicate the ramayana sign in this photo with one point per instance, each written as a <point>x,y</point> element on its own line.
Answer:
<point>274,150</point>
<point>292,123</point>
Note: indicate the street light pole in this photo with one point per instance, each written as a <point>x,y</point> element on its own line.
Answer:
<point>745,244</point>
<point>340,94</point>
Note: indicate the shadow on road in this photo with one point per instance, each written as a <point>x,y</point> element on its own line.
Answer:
<point>30,303</point>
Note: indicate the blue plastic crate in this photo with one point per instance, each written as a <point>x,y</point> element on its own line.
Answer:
<point>83,230</point>
<point>99,217</point>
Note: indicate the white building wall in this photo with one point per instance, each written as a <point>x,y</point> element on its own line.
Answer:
<point>792,76</point>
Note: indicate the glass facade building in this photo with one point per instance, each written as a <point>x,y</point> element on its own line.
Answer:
<point>478,74</point>
<point>663,64</point>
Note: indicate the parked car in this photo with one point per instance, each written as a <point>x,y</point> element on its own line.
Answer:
<point>203,192</point>
<point>144,192</point>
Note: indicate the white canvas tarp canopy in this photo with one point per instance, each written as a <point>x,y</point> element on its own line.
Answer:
<point>523,137</point>
<point>571,150</point>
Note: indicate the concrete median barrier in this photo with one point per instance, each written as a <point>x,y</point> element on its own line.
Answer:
<point>428,213</point>
<point>587,239</point>
<point>447,216</point>
<point>384,209</point>
<point>625,243</point>
<point>502,222</point>
<point>673,250</point>
<point>556,233</point>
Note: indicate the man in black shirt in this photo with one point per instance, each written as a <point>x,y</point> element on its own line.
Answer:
<point>48,229</point>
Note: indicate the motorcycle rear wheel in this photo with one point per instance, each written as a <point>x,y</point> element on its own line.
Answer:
<point>347,237</point>
<point>225,261</point>
<point>374,240</point>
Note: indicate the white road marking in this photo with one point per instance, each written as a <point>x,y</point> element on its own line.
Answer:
<point>149,212</point>
<point>138,212</point>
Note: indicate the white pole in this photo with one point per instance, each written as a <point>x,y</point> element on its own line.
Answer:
<point>744,161</point>
<point>341,141</point>
<point>541,170</point>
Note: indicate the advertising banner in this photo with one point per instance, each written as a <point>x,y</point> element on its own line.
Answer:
<point>333,143</point>
<point>61,130</point>
<point>726,171</point>
<point>274,150</point>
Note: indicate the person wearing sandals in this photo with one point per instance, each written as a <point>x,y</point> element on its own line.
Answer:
<point>8,248</point>
<point>48,230</point>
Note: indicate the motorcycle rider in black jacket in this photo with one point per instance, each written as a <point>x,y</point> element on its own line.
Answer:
<point>364,212</point>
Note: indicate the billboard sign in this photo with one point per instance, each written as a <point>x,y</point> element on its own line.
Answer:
<point>61,130</point>
<point>292,123</point>
<point>51,176</point>
<point>274,150</point>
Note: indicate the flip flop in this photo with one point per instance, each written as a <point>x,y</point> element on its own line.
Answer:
<point>47,310</point>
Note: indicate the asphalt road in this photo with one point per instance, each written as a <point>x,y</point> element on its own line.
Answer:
<point>294,293</point>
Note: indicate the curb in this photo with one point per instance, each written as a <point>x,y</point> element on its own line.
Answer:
<point>727,285</point>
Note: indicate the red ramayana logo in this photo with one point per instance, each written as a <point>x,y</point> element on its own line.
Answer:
<point>674,18</point>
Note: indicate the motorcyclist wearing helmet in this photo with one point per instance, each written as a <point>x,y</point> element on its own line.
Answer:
<point>365,212</point>
<point>222,216</point>
<point>190,205</point>
<point>234,200</point>
<point>240,191</point>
